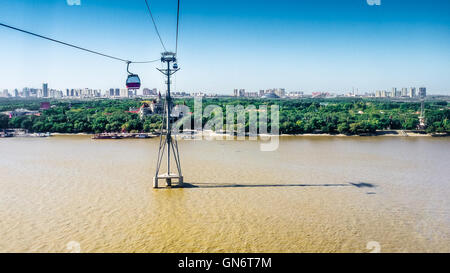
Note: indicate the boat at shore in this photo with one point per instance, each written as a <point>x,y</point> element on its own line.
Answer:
<point>21,133</point>
<point>40,135</point>
<point>122,136</point>
<point>106,136</point>
<point>141,136</point>
<point>5,135</point>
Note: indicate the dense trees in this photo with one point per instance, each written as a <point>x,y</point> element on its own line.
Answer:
<point>4,120</point>
<point>333,116</point>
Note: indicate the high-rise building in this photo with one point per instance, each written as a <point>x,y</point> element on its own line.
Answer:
<point>117,92</point>
<point>150,92</point>
<point>404,92</point>
<point>412,92</point>
<point>380,94</point>
<point>239,92</point>
<point>295,94</point>
<point>34,92</point>
<point>45,90</point>
<point>422,92</point>
<point>280,92</point>
<point>396,92</point>
<point>251,94</point>
<point>26,92</point>
<point>124,93</point>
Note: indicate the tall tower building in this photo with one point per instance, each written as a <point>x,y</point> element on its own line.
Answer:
<point>45,90</point>
<point>412,92</point>
<point>404,92</point>
<point>124,93</point>
<point>280,92</point>
<point>394,92</point>
<point>422,92</point>
<point>26,92</point>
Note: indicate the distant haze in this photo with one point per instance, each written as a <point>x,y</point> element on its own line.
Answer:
<point>309,45</point>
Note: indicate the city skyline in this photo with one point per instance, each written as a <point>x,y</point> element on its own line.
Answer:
<point>46,92</point>
<point>332,46</point>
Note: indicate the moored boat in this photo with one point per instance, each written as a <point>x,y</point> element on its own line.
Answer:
<point>142,136</point>
<point>106,136</point>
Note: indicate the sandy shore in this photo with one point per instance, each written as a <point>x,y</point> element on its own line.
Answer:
<point>390,133</point>
<point>398,133</point>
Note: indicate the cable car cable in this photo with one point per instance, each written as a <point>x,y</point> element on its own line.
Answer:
<point>178,23</point>
<point>74,46</point>
<point>154,24</point>
<point>146,62</point>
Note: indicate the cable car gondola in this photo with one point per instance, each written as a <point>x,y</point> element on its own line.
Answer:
<point>133,80</point>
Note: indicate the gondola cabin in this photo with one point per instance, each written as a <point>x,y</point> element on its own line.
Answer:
<point>133,82</point>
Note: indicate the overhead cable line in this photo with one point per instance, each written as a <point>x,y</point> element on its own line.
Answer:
<point>154,24</point>
<point>178,23</point>
<point>74,46</point>
<point>146,62</point>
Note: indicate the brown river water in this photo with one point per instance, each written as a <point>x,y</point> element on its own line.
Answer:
<point>313,194</point>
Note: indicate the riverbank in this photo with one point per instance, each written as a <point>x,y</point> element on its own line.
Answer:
<point>389,133</point>
<point>21,133</point>
<point>386,133</point>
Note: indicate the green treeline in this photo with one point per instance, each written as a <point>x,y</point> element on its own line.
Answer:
<point>94,116</point>
<point>333,116</point>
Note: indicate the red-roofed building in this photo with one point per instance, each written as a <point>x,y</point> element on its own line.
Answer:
<point>45,105</point>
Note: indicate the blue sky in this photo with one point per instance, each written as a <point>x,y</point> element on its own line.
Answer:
<point>303,45</point>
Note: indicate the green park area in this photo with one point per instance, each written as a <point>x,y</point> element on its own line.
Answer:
<point>350,116</point>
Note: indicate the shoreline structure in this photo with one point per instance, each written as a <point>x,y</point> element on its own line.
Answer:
<point>386,133</point>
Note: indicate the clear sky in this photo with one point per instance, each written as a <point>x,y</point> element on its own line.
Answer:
<point>301,45</point>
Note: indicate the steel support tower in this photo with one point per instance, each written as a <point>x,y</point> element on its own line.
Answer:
<point>422,122</point>
<point>166,140</point>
